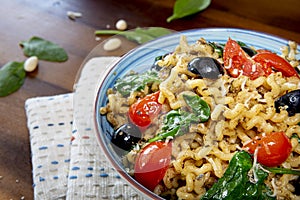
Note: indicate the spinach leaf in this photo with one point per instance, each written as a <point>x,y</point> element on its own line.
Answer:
<point>139,35</point>
<point>235,183</point>
<point>198,106</point>
<point>217,47</point>
<point>183,8</point>
<point>177,122</point>
<point>44,50</point>
<point>12,77</point>
<point>135,82</point>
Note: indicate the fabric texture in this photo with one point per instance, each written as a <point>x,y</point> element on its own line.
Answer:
<point>66,158</point>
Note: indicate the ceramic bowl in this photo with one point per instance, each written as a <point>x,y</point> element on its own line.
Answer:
<point>141,59</point>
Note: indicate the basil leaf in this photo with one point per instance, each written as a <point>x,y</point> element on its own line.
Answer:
<point>139,35</point>
<point>44,50</point>
<point>12,77</point>
<point>135,82</point>
<point>183,8</point>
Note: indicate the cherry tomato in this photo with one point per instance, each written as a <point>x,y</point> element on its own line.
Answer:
<point>237,62</point>
<point>144,110</point>
<point>273,148</point>
<point>272,60</point>
<point>152,163</point>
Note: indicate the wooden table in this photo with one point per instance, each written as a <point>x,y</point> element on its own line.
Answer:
<point>22,19</point>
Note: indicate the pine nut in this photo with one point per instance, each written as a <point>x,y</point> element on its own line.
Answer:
<point>112,44</point>
<point>121,25</point>
<point>30,64</point>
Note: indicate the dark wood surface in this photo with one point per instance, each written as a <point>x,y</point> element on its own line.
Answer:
<point>21,19</point>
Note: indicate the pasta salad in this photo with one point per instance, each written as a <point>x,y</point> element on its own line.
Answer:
<point>211,121</point>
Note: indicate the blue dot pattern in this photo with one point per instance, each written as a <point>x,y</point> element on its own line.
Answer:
<point>67,161</point>
<point>43,147</point>
<point>54,162</point>
<point>50,143</point>
<point>75,168</point>
<point>103,175</point>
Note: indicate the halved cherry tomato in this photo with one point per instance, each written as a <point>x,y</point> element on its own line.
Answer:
<point>152,163</point>
<point>273,148</point>
<point>272,60</point>
<point>237,62</point>
<point>144,110</point>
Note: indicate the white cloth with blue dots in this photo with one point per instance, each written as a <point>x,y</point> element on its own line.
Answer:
<point>66,159</point>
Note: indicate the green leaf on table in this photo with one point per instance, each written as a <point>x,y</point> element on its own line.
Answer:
<point>44,50</point>
<point>139,35</point>
<point>183,8</point>
<point>154,32</point>
<point>12,77</point>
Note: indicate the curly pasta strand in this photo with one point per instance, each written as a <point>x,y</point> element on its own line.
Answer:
<point>294,129</point>
<point>232,113</point>
<point>260,123</point>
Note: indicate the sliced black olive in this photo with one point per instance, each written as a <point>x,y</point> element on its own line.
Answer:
<point>291,101</point>
<point>249,51</point>
<point>206,67</point>
<point>125,137</point>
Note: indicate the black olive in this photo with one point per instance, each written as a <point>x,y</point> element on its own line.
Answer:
<point>249,51</point>
<point>125,137</point>
<point>206,67</point>
<point>291,101</point>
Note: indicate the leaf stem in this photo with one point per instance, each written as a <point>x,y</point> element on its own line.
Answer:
<point>277,170</point>
<point>108,32</point>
